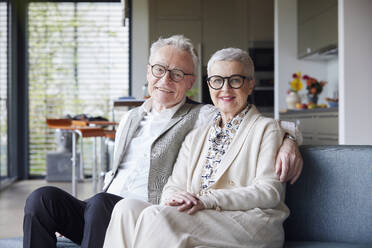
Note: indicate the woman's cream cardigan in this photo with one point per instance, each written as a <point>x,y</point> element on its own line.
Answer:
<point>247,188</point>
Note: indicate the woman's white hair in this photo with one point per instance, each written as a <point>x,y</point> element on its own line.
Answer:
<point>178,41</point>
<point>233,54</point>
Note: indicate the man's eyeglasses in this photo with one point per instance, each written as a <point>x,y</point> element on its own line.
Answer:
<point>235,81</point>
<point>175,74</point>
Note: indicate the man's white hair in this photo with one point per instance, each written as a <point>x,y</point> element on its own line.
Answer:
<point>178,41</point>
<point>233,54</point>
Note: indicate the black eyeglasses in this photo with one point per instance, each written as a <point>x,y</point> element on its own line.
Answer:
<point>235,81</point>
<point>175,74</point>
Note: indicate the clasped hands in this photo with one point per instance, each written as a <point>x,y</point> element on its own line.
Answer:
<point>186,202</point>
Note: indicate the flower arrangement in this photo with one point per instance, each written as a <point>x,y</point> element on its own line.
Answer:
<point>314,88</point>
<point>296,84</point>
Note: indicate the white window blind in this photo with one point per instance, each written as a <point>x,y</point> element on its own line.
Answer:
<point>3,88</point>
<point>78,63</point>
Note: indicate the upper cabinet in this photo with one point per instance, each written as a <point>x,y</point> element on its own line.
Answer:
<point>170,17</point>
<point>317,28</point>
<point>224,25</point>
<point>214,24</point>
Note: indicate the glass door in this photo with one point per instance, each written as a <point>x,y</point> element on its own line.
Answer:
<point>4,170</point>
<point>78,64</point>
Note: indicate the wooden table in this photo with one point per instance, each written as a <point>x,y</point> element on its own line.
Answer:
<point>84,130</point>
<point>128,103</point>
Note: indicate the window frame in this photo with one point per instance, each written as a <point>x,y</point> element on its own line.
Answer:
<point>11,172</point>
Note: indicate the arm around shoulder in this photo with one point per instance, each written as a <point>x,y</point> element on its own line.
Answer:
<point>289,161</point>
<point>292,129</point>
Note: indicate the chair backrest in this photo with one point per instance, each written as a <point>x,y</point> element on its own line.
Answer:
<point>332,200</point>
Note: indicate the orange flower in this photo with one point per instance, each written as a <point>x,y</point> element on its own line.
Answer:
<point>313,86</point>
<point>313,91</point>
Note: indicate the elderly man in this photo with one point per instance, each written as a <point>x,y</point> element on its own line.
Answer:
<point>146,147</point>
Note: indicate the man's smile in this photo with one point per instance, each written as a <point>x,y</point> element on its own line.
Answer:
<point>164,90</point>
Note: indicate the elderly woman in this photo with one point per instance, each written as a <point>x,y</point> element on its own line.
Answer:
<point>224,191</point>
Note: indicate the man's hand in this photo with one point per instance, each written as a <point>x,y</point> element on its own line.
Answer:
<point>186,202</point>
<point>288,165</point>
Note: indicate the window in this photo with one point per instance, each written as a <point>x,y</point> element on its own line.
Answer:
<point>3,89</point>
<point>78,63</point>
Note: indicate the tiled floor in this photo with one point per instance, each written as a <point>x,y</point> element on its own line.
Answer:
<point>12,201</point>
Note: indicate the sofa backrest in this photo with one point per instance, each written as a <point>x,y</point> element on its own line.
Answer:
<point>332,199</point>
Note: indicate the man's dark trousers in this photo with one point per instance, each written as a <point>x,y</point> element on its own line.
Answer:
<point>49,210</point>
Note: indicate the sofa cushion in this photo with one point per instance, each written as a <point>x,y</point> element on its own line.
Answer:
<point>323,245</point>
<point>18,243</point>
<point>66,243</point>
<point>332,199</point>
<point>11,243</point>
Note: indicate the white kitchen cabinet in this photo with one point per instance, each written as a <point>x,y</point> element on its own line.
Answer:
<point>317,26</point>
<point>309,9</point>
<point>318,127</point>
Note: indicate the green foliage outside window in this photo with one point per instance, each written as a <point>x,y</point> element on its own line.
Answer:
<point>78,63</point>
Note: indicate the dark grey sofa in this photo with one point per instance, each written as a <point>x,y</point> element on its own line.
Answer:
<point>331,203</point>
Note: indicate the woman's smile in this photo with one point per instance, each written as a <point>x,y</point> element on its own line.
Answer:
<point>227,98</point>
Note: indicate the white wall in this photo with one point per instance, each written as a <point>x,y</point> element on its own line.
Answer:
<point>331,90</point>
<point>355,53</point>
<point>140,45</point>
<point>286,62</point>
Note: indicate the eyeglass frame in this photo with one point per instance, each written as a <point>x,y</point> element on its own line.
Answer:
<point>228,81</point>
<point>170,73</point>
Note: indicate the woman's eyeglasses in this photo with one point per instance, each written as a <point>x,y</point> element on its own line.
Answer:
<point>234,81</point>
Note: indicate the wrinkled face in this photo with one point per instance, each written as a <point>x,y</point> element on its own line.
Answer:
<point>230,101</point>
<point>165,92</point>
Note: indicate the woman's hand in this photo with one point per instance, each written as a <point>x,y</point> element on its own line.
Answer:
<point>186,202</point>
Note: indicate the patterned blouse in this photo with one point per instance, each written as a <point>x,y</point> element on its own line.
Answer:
<point>219,141</point>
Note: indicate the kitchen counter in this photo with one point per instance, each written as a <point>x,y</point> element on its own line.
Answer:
<point>318,126</point>
<point>305,111</point>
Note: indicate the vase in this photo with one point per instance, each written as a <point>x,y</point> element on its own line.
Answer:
<point>292,99</point>
<point>312,98</point>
